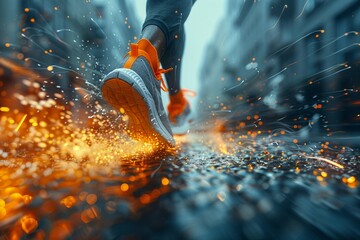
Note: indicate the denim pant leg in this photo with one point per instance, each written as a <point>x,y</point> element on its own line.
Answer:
<point>170,16</point>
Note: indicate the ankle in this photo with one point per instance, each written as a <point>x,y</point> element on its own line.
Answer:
<point>153,34</point>
<point>173,91</point>
<point>177,98</point>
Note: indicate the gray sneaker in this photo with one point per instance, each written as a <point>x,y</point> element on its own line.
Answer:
<point>135,89</point>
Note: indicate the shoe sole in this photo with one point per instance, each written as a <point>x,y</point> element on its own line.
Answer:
<point>124,88</point>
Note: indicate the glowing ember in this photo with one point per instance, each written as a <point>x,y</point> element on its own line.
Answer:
<point>4,109</point>
<point>165,181</point>
<point>29,224</point>
<point>124,187</point>
<point>68,202</point>
<point>325,160</point>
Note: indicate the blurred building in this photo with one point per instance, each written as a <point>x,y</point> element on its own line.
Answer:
<point>87,35</point>
<point>286,58</point>
<point>68,43</point>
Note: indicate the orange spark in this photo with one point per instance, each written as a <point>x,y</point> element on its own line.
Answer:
<point>326,160</point>
<point>124,187</point>
<point>29,224</point>
<point>4,109</point>
<point>21,122</point>
<point>165,181</point>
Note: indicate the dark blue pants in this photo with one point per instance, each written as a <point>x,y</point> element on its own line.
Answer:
<point>170,16</point>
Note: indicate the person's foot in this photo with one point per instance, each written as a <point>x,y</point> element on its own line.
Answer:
<point>135,89</point>
<point>179,110</point>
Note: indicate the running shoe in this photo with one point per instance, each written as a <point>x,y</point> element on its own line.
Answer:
<point>134,89</point>
<point>179,109</point>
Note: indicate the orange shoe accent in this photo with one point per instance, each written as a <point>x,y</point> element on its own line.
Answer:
<point>178,103</point>
<point>146,49</point>
<point>189,92</point>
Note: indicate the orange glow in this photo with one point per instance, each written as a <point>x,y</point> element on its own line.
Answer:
<point>217,136</point>
<point>88,215</point>
<point>318,106</point>
<point>165,181</point>
<point>91,199</point>
<point>2,212</point>
<point>4,109</point>
<point>320,178</point>
<point>324,174</point>
<point>145,199</point>
<point>124,187</point>
<point>60,230</point>
<point>29,224</point>
<point>351,179</point>
<point>27,199</point>
<point>68,202</point>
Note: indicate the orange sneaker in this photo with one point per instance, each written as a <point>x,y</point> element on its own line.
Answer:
<point>179,108</point>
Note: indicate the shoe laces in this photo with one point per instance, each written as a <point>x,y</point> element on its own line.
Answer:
<point>188,92</point>
<point>159,77</point>
<point>146,49</point>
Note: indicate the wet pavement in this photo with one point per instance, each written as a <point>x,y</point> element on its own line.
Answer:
<point>213,186</point>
